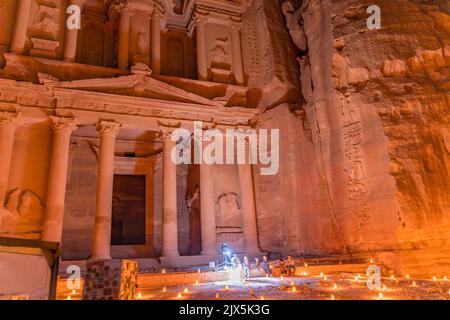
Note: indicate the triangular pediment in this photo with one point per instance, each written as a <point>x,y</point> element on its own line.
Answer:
<point>137,86</point>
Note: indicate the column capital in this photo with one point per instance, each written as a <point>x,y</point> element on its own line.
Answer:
<point>108,127</point>
<point>166,129</point>
<point>235,23</point>
<point>63,123</point>
<point>79,3</point>
<point>9,118</point>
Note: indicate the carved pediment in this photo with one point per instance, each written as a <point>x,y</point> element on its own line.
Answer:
<point>137,86</point>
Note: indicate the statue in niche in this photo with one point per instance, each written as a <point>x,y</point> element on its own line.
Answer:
<point>46,21</point>
<point>220,56</point>
<point>229,214</point>
<point>24,213</point>
<point>294,23</point>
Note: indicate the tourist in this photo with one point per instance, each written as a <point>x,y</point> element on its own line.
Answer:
<point>236,261</point>
<point>246,267</point>
<point>290,265</point>
<point>258,266</point>
<point>265,266</point>
<point>283,269</point>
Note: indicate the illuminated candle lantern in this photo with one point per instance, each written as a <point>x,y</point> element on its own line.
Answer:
<point>371,260</point>
<point>74,291</point>
<point>392,277</point>
<point>163,271</point>
<point>217,296</point>
<point>164,289</point>
<point>332,297</point>
<point>139,295</point>
<point>384,287</point>
<point>414,284</point>
<point>359,276</point>
<point>281,278</point>
<point>186,290</point>
<point>262,297</point>
<point>198,270</point>
<point>179,296</point>
<point>294,289</point>
<point>306,265</point>
<point>321,274</point>
<point>356,278</point>
<point>340,262</point>
<point>292,283</point>
<point>407,276</point>
<point>445,278</point>
<point>434,278</point>
<point>226,288</point>
<point>267,275</point>
<point>196,282</point>
<point>305,273</point>
<point>380,295</point>
<point>325,278</point>
<point>335,286</point>
<point>69,297</point>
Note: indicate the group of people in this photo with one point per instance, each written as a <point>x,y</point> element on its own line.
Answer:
<point>263,266</point>
<point>287,267</point>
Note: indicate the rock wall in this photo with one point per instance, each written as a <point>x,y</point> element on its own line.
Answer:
<point>372,136</point>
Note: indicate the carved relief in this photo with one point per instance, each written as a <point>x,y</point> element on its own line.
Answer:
<point>229,211</point>
<point>24,213</point>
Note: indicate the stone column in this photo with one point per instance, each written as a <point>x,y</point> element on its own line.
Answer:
<point>21,26</point>
<point>57,180</point>
<point>71,39</point>
<point>102,231</point>
<point>207,210</point>
<point>124,39</point>
<point>8,124</point>
<point>237,53</point>
<point>248,206</point>
<point>156,43</point>
<point>170,228</point>
<point>202,67</point>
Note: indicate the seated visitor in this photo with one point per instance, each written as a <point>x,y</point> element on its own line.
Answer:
<point>236,261</point>
<point>290,265</point>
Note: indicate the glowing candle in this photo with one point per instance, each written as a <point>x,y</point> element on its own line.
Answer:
<point>380,295</point>
<point>294,289</point>
<point>332,297</point>
<point>335,286</point>
<point>305,273</point>
<point>179,296</point>
<point>196,282</point>
<point>226,288</point>
<point>414,284</point>
<point>139,295</point>
<point>292,283</point>
<point>163,271</point>
<point>306,265</point>
<point>359,276</point>
<point>325,278</point>
<point>164,289</point>
<point>267,275</point>
<point>384,287</point>
<point>321,274</point>
<point>392,277</point>
<point>434,278</point>
<point>74,291</point>
<point>371,260</point>
<point>217,296</point>
<point>445,278</point>
<point>69,297</point>
<point>407,276</point>
<point>281,278</point>
<point>262,297</point>
<point>198,270</point>
<point>356,278</point>
<point>186,290</point>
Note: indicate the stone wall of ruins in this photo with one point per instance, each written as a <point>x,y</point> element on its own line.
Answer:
<point>371,147</point>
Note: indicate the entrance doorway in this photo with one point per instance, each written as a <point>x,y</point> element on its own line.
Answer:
<point>128,210</point>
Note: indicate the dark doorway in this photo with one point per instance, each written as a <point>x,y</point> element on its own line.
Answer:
<point>128,210</point>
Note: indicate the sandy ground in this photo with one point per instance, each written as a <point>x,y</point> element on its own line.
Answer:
<point>342,286</point>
